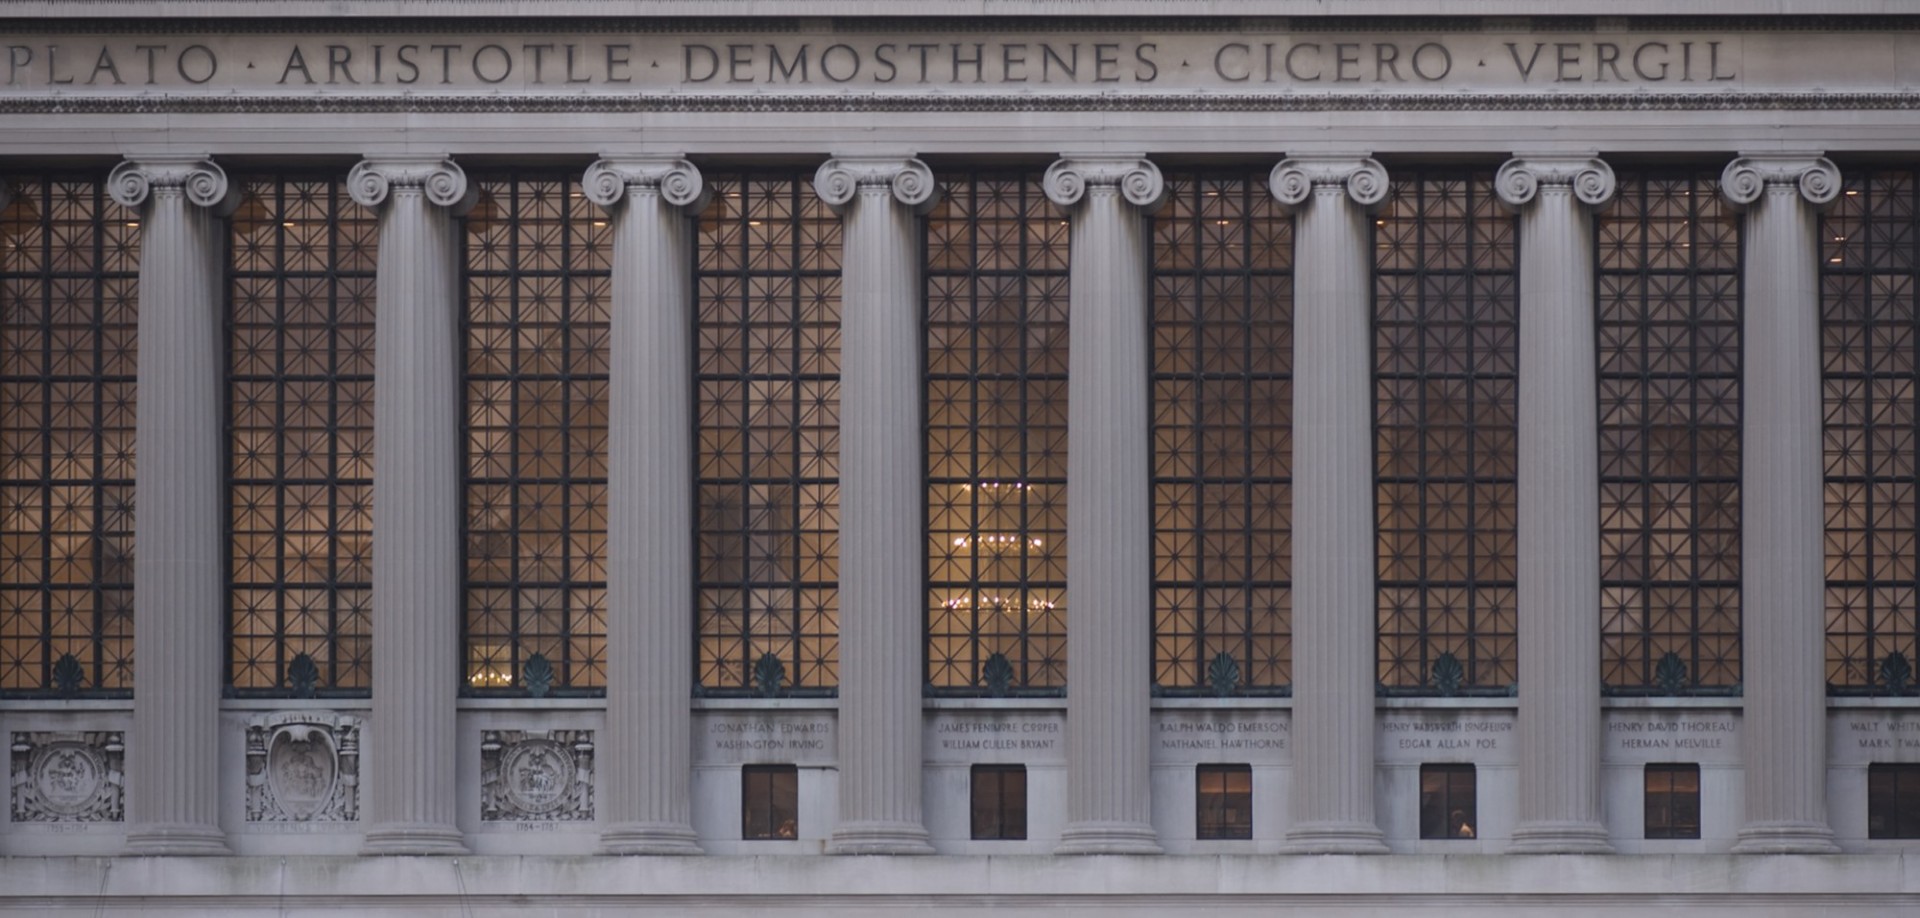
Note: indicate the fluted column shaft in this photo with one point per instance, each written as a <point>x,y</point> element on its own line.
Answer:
<point>648,759</point>
<point>412,758</point>
<point>174,758</point>
<point>1333,556</point>
<point>1109,524</point>
<point>1782,525</point>
<point>1559,504</point>
<point>882,501</point>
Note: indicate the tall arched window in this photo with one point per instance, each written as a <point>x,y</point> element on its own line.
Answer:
<point>69,258</point>
<point>996,437</point>
<point>536,283</point>
<point>1222,342</point>
<point>1669,363</point>
<point>300,437</point>
<point>1446,357</point>
<point>1871,332</point>
<point>767,412</point>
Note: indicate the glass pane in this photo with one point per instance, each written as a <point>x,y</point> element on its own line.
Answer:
<point>996,327</point>
<point>536,284</point>
<point>767,415</point>
<point>68,258</point>
<point>1445,365</point>
<point>1222,340</point>
<point>1669,364</point>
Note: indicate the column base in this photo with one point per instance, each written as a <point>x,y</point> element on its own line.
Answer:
<point>876,837</point>
<point>414,838</point>
<point>177,838</point>
<point>1335,838</point>
<point>1550,836</point>
<point>1099,837</point>
<point>667,838</point>
<point>1785,837</point>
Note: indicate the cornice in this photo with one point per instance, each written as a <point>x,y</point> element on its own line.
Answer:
<point>754,102</point>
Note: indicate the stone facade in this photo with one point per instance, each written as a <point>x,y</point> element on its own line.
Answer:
<point>577,800</point>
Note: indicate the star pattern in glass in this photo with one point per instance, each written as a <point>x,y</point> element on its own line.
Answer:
<point>1446,354</point>
<point>1870,329</point>
<point>767,450</point>
<point>1222,340</point>
<point>1669,365</point>
<point>536,280</point>
<point>69,260</point>
<point>996,382</point>
<point>300,434</point>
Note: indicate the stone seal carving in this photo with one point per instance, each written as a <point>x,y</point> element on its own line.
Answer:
<point>303,766</point>
<point>68,777</point>
<point>528,776</point>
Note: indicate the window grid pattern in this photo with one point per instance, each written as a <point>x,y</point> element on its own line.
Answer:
<point>999,802</point>
<point>69,261</point>
<point>996,327</point>
<point>1448,802</point>
<point>1223,801</point>
<point>1445,362</point>
<point>770,802</point>
<point>300,436</point>
<point>536,285</point>
<point>1222,350</point>
<point>1669,367</point>
<point>1870,331</point>
<point>1893,800</point>
<point>768,446</point>
<point>1672,797</point>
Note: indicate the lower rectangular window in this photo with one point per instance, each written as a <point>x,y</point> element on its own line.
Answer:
<point>1447,801</point>
<point>999,801</point>
<point>1223,801</point>
<point>1893,800</point>
<point>1673,800</point>
<point>769,801</point>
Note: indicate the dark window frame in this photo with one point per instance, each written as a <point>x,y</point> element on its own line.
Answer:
<point>773,793</point>
<point>1893,800</point>
<point>1006,814</point>
<point>1667,805</point>
<point>1211,804</point>
<point>1450,810</point>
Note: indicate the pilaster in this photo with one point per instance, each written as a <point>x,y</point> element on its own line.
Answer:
<point>650,595</point>
<point>1559,503</point>
<point>882,500</point>
<point>1782,513</point>
<point>179,580</point>
<point>417,600</point>
<point>1334,618</point>
<point>1109,522</point>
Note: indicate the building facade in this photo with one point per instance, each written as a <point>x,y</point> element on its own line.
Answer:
<point>1387,456</point>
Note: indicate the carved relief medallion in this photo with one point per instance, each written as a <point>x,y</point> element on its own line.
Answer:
<point>531,776</point>
<point>303,766</point>
<point>68,777</point>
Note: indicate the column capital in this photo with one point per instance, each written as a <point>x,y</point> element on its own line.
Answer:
<point>612,177</point>
<point>839,179</point>
<point>1361,176</point>
<point>438,177</point>
<point>1136,178</point>
<point>1589,178</point>
<point>1747,177</point>
<point>202,181</point>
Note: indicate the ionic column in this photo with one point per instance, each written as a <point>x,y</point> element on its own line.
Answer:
<point>1333,577</point>
<point>650,606</point>
<point>882,501</point>
<point>1109,523</point>
<point>1782,515</point>
<point>173,769</point>
<point>1559,503</point>
<point>411,758</point>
